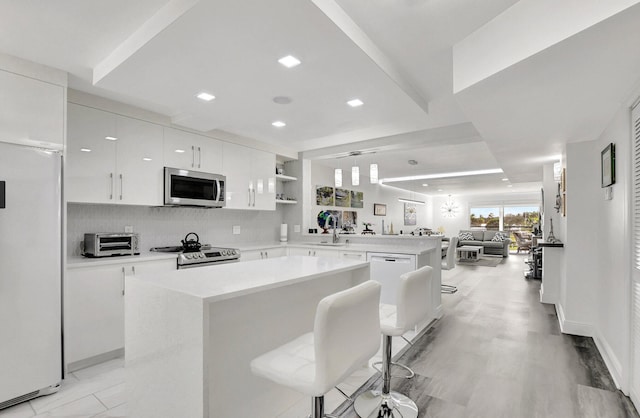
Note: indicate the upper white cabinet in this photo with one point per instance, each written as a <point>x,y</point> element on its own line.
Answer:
<point>251,182</point>
<point>112,159</point>
<point>31,111</point>
<point>192,152</point>
<point>139,162</point>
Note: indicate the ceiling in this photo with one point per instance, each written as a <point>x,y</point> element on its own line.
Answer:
<point>397,57</point>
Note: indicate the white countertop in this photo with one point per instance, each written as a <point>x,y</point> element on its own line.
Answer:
<point>392,248</point>
<point>80,261</point>
<point>219,282</point>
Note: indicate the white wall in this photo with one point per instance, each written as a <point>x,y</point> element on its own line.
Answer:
<point>453,225</point>
<point>597,283</point>
<point>167,226</point>
<point>321,175</point>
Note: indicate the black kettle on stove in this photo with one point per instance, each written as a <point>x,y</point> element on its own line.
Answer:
<point>191,245</point>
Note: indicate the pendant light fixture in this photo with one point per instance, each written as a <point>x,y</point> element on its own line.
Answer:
<point>338,177</point>
<point>355,175</point>
<point>373,173</point>
<point>449,208</point>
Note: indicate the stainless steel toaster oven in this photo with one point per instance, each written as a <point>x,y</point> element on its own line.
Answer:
<point>105,244</point>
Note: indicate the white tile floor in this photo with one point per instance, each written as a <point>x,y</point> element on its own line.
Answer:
<point>99,391</point>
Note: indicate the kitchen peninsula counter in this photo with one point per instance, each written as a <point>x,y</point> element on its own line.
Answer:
<point>191,334</point>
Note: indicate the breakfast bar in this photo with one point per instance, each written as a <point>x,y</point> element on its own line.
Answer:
<point>190,334</point>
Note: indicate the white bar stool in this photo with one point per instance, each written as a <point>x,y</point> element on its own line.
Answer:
<point>345,336</point>
<point>412,306</point>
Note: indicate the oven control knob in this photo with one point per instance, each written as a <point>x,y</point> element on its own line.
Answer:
<point>201,255</point>
<point>188,256</point>
<point>234,252</point>
<point>225,252</point>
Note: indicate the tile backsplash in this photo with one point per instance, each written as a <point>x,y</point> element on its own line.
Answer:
<point>160,226</point>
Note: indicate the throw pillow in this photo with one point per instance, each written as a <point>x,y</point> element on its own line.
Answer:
<point>465,236</point>
<point>498,237</point>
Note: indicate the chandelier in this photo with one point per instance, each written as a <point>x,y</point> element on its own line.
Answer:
<point>449,208</point>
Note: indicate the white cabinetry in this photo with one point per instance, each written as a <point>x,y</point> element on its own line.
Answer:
<point>192,152</point>
<point>313,251</point>
<point>112,159</point>
<point>352,255</point>
<point>94,307</point>
<point>31,111</point>
<point>250,178</point>
<point>263,253</point>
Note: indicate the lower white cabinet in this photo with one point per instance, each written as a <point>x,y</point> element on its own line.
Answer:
<point>313,251</point>
<point>353,255</point>
<point>94,307</point>
<point>263,254</point>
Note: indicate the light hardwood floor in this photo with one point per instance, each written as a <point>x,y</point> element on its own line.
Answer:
<point>498,352</point>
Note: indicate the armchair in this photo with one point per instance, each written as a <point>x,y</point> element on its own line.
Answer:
<point>523,242</point>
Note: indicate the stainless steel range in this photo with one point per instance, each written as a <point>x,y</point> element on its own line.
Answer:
<point>205,256</point>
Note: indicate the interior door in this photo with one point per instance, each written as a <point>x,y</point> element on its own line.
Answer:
<point>635,275</point>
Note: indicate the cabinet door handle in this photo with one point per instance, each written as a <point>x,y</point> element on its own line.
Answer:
<point>121,183</point>
<point>133,270</point>
<point>254,197</point>
<point>249,197</point>
<point>266,254</point>
<point>122,281</point>
<point>193,156</point>
<point>261,254</point>
<point>111,181</point>
<point>199,158</point>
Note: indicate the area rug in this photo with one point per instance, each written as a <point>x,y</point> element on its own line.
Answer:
<point>483,261</point>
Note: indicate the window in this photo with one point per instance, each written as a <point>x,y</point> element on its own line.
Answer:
<point>521,218</point>
<point>485,217</point>
<point>505,218</point>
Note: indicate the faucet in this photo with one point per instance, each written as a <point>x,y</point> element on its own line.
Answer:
<point>336,238</point>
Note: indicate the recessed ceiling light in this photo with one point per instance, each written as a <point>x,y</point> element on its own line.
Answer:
<point>440,190</point>
<point>282,100</point>
<point>505,179</point>
<point>179,151</point>
<point>355,103</point>
<point>425,184</point>
<point>289,61</point>
<point>279,124</point>
<point>111,138</point>
<point>509,185</point>
<point>205,96</point>
<point>146,159</point>
<point>85,150</point>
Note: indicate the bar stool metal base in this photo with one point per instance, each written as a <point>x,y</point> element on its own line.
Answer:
<point>373,404</point>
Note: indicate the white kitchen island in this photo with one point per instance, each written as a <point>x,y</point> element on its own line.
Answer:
<point>191,334</point>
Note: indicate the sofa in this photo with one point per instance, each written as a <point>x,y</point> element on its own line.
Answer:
<point>487,240</point>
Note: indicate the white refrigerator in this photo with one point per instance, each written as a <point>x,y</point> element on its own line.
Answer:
<point>30,273</point>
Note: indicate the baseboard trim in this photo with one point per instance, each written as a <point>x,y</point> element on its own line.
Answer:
<point>587,330</point>
<point>92,361</point>
<point>611,361</point>
<point>572,327</point>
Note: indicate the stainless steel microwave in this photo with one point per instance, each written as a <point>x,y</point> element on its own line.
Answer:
<point>193,188</point>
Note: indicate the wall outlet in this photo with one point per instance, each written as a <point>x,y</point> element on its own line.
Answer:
<point>296,228</point>
<point>236,229</point>
<point>128,228</point>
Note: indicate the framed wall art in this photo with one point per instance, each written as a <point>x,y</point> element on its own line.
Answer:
<point>379,209</point>
<point>324,195</point>
<point>608,165</point>
<point>409,214</point>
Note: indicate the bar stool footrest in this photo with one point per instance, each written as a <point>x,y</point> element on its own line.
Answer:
<point>410,373</point>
